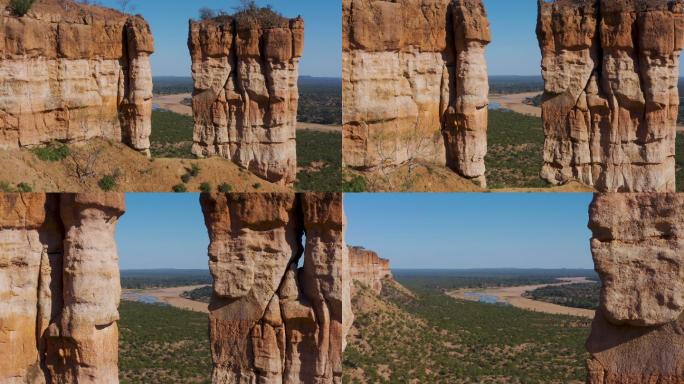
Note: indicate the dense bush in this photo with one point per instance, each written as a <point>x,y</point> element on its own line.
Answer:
<point>21,7</point>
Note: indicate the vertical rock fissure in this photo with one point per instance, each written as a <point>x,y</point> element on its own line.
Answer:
<point>71,76</point>
<point>415,88</point>
<point>617,133</point>
<point>286,316</point>
<point>251,121</point>
<point>65,298</point>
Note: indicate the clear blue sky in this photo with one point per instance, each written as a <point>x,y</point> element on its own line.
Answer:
<point>452,231</point>
<point>162,230</point>
<point>169,22</point>
<point>514,49</point>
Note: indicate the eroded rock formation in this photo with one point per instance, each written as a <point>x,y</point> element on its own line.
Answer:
<point>270,320</point>
<point>246,95</point>
<point>610,104</point>
<point>368,268</point>
<point>415,84</point>
<point>71,72</point>
<point>60,288</point>
<point>638,333</point>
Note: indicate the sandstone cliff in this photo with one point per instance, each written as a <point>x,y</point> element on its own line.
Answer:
<point>71,72</point>
<point>60,288</point>
<point>610,101</point>
<point>637,335</point>
<point>368,268</point>
<point>415,84</point>
<point>271,321</point>
<point>246,95</point>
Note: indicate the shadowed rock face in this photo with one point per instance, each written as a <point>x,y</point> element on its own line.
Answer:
<point>611,101</point>
<point>638,333</point>
<point>60,288</point>
<point>415,84</point>
<point>71,72</point>
<point>246,95</point>
<point>271,321</point>
<point>368,268</point>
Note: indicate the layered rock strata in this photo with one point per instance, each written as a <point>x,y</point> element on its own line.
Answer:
<point>368,268</point>
<point>415,85</point>
<point>246,95</point>
<point>272,321</point>
<point>71,72</point>
<point>60,288</point>
<point>638,333</point>
<point>610,103</point>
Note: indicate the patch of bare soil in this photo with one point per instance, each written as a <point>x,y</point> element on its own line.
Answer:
<point>426,177</point>
<point>417,177</point>
<point>87,164</point>
<point>572,186</point>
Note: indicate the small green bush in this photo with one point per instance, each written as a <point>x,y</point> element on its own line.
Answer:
<point>52,153</point>
<point>194,170</point>
<point>186,178</point>
<point>355,184</point>
<point>6,187</point>
<point>225,188</point>
<point>205,187</point>
<point>256,186</point>
<point>108,182</point>
<point>180,188</point>
<point>24,187</point>
<point>21,7</point>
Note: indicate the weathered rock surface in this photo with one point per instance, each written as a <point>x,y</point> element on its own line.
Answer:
<point>368,268</point>
<point>246,95</point>
<point>415,84</point>
<point>71,72</point>
<point>610,104</point>
<point>638,333</point>
<point>60,288</point>
<point>270,321</point>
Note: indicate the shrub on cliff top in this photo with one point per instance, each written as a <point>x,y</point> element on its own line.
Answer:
<point>249,13</point>
<point>21,7</point>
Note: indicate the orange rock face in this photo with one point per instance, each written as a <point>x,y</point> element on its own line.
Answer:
<point>71,72</point>
<point>60,288</point>
<point>246,95</point>
<point>610,104</point>
<point>637,335</point>
<point>271,321</point>
<point>368,268</point>
<point>415,85</point>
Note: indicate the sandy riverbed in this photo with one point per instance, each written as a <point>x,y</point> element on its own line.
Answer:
<point>514,297</point>
<point>515,102</point>
<point>173,103</point>
<point>170,296</point>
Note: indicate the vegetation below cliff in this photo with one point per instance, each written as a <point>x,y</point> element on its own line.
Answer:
<point>457,341</point>
<point>161,342</point>
<point>515,146</point>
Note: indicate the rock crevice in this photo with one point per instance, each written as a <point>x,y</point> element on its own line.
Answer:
<point>60,288</point>
<point>71,72</point>
<point>415,85</point>
<point>272,321</point>
<point>637,335</point>
<point>610,103</point>
<point>246,94</point>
